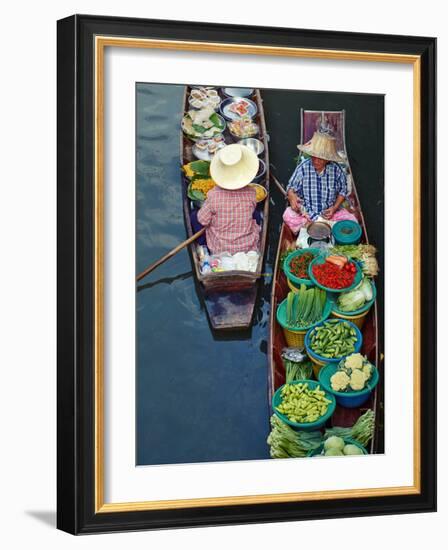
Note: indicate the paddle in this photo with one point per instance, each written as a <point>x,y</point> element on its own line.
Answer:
<point>170,254</point>
<point>278,184</point>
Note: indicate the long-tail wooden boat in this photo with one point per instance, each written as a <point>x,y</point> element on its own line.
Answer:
<point>310,122</point>
<point>229,296</point>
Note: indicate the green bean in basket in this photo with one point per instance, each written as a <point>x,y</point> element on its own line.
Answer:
<point>333,339</point>
<point>301,404</point>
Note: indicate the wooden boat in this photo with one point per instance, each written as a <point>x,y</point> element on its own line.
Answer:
<point>342,416</point>
<point>229,296</point>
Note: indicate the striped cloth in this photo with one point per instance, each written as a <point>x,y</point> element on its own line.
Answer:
<point>227,215</point>
<point>318,191</point>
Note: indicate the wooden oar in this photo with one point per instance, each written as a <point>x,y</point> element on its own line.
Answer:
<point>278,184</point>
<point>170,254</point>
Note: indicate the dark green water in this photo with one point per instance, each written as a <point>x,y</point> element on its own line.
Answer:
<point>202,397</point>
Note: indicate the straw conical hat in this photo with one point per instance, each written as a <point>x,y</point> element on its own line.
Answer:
<point>322,146</point>
<point>234,166</point>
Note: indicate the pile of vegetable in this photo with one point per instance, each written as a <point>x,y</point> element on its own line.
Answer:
<point>335,272</point>
<point>285,442</point>
<point>202,124</point>
<point>361,431</point>
<point>198,172</point>
<point>336,446</point>
<point>356,299</point>
<point>298,266</point>
<point>334,338</point>
<point>354,373</point>
<point>297,365</point>
<point>364,253</point>
<point>288,248</point>
<point>302,404</point>
<point>305,307</point>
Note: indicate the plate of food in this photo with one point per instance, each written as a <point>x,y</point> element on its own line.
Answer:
<point>234,108</point>
<point>260,191</point>
<point>202,124</point>
<point>205,149</point>
<point>204,97</point>
<point>243,128</point>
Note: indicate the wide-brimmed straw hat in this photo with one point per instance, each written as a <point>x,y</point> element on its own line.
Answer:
<point>234,166</point>
<point>322,146</point>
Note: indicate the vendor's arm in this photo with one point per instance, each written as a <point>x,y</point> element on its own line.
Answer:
<point>329,212</point>
<point>294,189</point>
<point>342,190</point>
<point>205,213</point>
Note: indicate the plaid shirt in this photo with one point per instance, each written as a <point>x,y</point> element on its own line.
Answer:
<point>318,191</point>
<point>228,218</point>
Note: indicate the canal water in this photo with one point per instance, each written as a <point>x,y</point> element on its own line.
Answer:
<point>202,396</point>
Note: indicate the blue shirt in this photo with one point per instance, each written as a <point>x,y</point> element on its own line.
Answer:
<point>318,191</point>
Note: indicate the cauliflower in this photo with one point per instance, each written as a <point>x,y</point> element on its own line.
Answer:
<point>357,380</point>
<point>367,370</point>
<point>354,361</point>
<point>339,381</point>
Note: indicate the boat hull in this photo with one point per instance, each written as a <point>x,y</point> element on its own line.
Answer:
<point>229,297</point>
<point>343,416</point>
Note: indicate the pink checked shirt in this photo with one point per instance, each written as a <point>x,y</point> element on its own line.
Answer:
<point>228,218</point>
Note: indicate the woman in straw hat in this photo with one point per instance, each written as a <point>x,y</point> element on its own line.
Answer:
<point>318,186</point>
<point>228,212</point>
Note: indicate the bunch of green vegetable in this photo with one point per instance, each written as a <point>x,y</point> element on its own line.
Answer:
<point>302,404</point>
<point>297,365</point>
<point>356,298</point>
<point>305,307</point>
<point>333,339</point>
<point>364,253</point>
<point>361,431</point>
<point>336,446</point>
<point>285,442</point>
<point>354,373</point>
<point>297,371</point>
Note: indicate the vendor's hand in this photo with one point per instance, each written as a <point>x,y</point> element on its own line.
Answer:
<point>293,201</point>
<point>329,213</point>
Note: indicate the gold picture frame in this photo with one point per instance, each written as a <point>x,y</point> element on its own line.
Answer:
<point>100,41</point>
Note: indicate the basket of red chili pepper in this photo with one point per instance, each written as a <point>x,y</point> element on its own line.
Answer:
<point>296,265</point>
<point>335,273</point>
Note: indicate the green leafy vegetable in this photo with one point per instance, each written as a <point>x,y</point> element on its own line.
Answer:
<point>285,442</point>
<point>200,167</point>
<point>216,120</point>
<point>361,431</point>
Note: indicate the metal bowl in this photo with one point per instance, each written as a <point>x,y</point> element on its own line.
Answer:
<point>238,92</point>
<point>254,144</point>
<point>261,171</point>
<point>319,230</point>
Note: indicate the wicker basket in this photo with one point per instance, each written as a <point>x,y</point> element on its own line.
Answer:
<point>294,338</point>
<point>317,365</point>
<point>357,320</point>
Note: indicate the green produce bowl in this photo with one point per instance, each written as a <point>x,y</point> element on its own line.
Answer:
<point>347,441</point>
<point>336,360</point>
<point>281,316</point>
<point>350,399</point>
<point>362,309</point>
<point>321,260</point>
<point>286,265</point>
<point>306,426</point>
